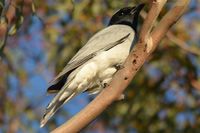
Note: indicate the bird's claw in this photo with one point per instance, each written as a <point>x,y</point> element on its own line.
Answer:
<point>119,66</point>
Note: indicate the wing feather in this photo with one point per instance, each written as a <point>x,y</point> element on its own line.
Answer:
<point>102,40</point>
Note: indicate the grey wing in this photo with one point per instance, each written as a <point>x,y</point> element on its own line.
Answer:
<point>101,41</point>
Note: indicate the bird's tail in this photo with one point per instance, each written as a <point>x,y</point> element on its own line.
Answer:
<point>62,97</point>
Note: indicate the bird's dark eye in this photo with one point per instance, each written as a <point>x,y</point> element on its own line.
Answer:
<point>122,13</point>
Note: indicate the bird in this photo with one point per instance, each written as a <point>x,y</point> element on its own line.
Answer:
<point>93,66</point>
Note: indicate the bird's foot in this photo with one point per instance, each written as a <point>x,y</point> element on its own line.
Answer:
<point>119,66</point>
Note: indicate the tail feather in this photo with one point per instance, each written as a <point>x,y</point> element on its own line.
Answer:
<point>57,85</point>
<point>62,97</point>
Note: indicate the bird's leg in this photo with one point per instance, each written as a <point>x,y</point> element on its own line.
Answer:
<point>119,66</point>
<point>106,82</point>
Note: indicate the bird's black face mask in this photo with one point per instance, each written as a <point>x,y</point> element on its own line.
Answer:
<point>127,16</point>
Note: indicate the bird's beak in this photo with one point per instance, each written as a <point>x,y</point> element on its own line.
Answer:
<point>137,9</point>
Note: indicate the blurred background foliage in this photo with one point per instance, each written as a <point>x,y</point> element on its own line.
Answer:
<point>39,37</point>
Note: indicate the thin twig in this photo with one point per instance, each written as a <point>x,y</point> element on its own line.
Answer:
<point>182,44</point>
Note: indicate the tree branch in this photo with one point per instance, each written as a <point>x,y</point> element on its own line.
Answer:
<point>157,6</point>
<point>132,64</point>
<point>175,40</point>
<point>168,20</point>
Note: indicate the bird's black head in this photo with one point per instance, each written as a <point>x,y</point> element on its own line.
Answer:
<point>127,16</point>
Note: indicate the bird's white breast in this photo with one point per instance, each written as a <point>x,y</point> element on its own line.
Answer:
<point>100,67</point>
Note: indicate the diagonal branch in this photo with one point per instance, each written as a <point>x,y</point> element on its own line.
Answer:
<point>176,40</point>
<point>133,63</point>
<point>157,6</point>
<point>168,20</point>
